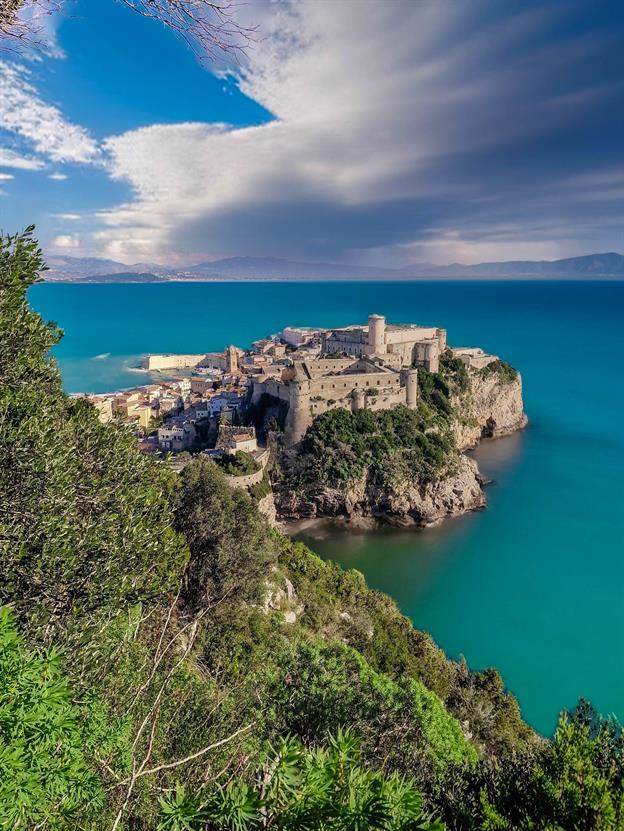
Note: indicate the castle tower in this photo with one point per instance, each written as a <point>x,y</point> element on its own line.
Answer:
<point>376,335</point>
<point>410,381</point>
<point>358,400</point>
<point>299,417</point>
<point>231,360</point>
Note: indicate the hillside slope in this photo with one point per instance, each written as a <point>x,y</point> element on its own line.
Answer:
<point>163,641</point>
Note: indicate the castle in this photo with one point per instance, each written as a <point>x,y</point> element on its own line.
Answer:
<point>360,367</point>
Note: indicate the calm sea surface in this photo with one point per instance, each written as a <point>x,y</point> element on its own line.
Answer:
<point>534,585</point>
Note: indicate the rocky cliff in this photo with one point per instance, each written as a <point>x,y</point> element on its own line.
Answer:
<point>490,407</point>
<point>406,503</point>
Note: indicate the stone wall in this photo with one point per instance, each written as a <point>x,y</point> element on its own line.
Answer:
<point>245,481</point>
<point>160,362</point>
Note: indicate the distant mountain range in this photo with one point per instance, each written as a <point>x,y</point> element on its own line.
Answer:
<point>93,270</point>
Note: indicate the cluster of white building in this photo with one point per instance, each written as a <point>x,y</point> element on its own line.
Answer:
<point>374,366</point>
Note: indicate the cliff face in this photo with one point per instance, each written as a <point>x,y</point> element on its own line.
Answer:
<point>404,504</point>
<point>491,407</point>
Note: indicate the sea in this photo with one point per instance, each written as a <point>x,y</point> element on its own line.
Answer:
<point>532,585</point>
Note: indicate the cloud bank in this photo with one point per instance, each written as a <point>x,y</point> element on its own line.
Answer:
<point>402,131</point>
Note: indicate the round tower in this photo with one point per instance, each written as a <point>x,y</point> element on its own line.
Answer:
<point>411,388</point>
<point>376,335</point>
<point>358,400</point>
<point>299,417</point>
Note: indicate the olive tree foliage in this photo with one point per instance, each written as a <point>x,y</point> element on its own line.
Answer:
<point>211,28</point>
<point>85,519</point>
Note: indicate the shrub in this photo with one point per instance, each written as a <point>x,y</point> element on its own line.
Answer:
<point>45,775</point>
<point>389,446</point>
<point>240,463</point>
<point>506,373</point>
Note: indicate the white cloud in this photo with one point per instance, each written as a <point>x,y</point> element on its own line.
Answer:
<point>68,217</point>
<point>66,241</point>
<point>58,177</point>
<point>9,158</point>
<point>4,177</point>
<point>25,114</point>
<point>391,130</point>
<point>394,134</point>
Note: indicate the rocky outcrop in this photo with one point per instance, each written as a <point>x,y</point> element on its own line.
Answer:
<point>281,597</point>
<point>486,404</point>
<point>267,508</point>
<point>409,504</point>
<point>492,406</point>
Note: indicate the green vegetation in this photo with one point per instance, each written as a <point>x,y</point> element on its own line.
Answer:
<point>506,373</point>
<point>303,788</point>
<point>267,414</point>
<point>260,489</point>
<point>240,463</point>
<point>45,774</point>
<point>171,662</point>
<point>454,372</point>
<point>387,446</point>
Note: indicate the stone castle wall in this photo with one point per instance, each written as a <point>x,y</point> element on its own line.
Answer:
<point>160,362</point>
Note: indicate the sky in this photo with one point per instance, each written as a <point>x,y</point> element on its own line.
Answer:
<point>362,132</point>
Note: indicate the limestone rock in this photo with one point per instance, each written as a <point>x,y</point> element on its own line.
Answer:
<point>266,506</point>
<point>490,408</point>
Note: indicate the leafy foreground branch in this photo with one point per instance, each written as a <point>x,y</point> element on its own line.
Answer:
<point>159,641</point>
<point>301,788</point>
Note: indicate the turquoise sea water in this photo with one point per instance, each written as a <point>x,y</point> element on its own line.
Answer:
<point>534,584</point>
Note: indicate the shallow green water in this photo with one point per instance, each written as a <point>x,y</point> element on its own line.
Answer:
<point>534,584</point>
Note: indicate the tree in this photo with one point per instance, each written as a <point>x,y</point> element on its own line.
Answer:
<point>209,27</point>
<point>85,519</point>
<point>231,545</point>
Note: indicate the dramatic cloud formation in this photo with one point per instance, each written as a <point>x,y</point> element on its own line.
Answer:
<point>403,130</point>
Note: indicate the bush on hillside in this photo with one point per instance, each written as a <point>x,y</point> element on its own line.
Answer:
<point>389,446</point>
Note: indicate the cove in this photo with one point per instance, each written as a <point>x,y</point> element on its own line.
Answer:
<point>532,585</point>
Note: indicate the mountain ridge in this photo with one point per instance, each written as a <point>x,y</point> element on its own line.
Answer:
<point>92,269</point>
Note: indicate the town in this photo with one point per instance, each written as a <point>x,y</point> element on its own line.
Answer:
<point>205,404</point>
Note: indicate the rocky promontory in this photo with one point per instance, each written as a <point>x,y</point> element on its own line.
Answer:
<point>402,466</point>
<point>490,407</point>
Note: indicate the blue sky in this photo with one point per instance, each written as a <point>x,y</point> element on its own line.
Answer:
<point>360,132</point>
